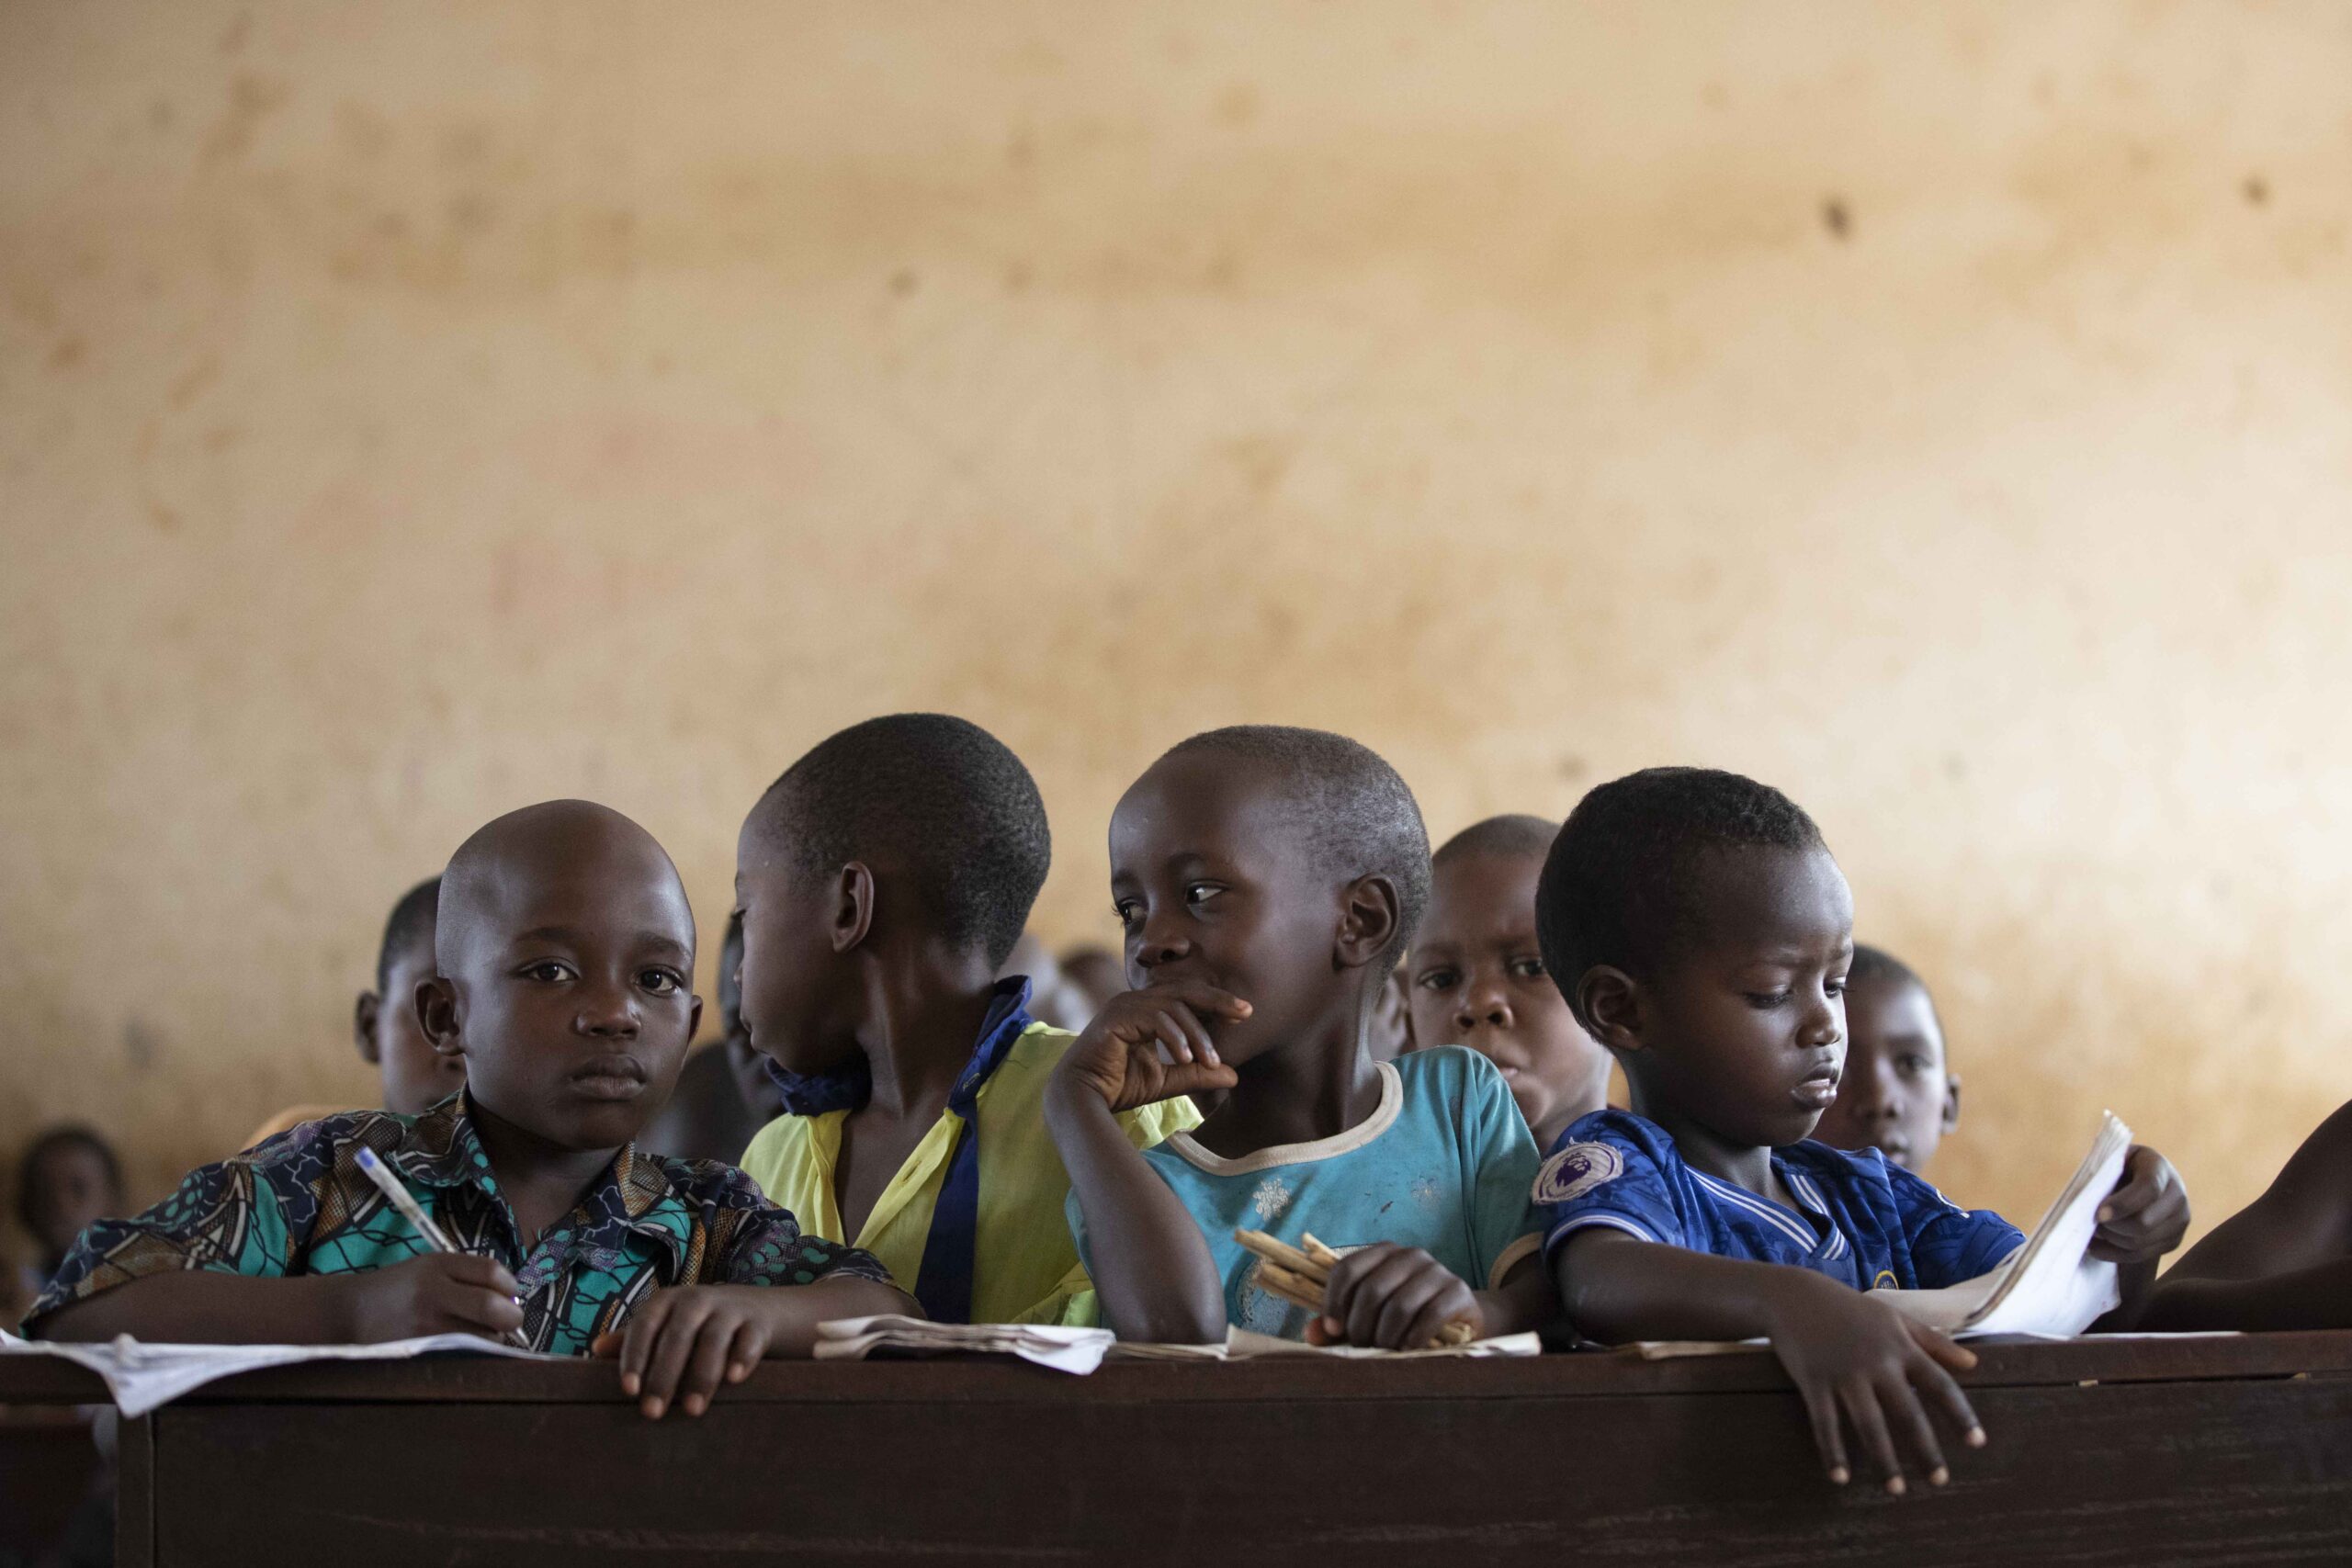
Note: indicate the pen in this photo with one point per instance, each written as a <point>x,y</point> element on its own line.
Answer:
<point>413,1213</point>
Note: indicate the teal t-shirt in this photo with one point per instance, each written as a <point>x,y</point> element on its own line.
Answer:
<point>1444,1164</point>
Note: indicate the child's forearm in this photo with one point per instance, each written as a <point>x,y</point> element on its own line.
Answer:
<point>2317,1297</point>
<point>1150,1266</point>
<point>198,1307</point>
<point>1617,1287</point>
<point>2135,1286</point>
<point>1525,1300</point>
<point>793,1311</point>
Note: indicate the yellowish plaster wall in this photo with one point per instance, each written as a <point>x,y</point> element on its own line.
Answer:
<point>411,411</point>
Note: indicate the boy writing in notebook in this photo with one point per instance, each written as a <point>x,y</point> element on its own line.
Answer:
<point>563,950</point>
<point>882,881</point>
<point>1702,932</point>
<point>1268,879</point>
<point>1897,1094</point>
<point>1477,974</point>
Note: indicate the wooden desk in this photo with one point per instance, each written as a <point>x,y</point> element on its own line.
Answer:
<point>2125,1452</point>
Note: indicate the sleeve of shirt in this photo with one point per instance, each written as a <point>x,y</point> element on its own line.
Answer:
<point>232,1217</point>
<point>764,1246</point>
<point>1949,1244</point>
<point>1607,1174</point>
<point>1505,1227</point>
<point>1146,1125</point>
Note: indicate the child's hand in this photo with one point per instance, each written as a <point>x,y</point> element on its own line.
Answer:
<point>2146,1215</point>
<point>1853,1356</point>
<point>1119,1056</point>
<point>440,1292</point>
<point>1395,1297</point>
<point>684,1340</point>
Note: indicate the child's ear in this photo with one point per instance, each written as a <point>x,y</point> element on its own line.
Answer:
<point>363,1026</point>
<point>1369,916</point>
<point>1610,999</point>
<point>852,914</point>
<point>1951,1101</point>
<point>436,1014</point>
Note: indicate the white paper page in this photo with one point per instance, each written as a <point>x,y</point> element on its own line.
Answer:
<point>2048,1286</point>
<point>141,1376</point>
<point>1242,1343</point>
<point>1074,1350</point>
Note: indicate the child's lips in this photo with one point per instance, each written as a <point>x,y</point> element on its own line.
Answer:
<point>610,1077</point>
<point>1817,1091</point>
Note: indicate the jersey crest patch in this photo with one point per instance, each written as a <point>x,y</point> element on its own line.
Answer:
<point>1577,1171</point>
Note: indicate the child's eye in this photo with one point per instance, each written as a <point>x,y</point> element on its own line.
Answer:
<point>1528,968</point>
<point>547,972</point>
<point>661,982</point>
<point>1834,988</point>
<point>1200,893</point>
<point>1767,999</point>
<point>1911,1064</point>
<point>1440,980</point>
<point>1126,911</point>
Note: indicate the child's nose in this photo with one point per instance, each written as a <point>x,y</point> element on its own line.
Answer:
<point>1159,945</point>
<point>607,1012</point>
<point>1484,1004</point>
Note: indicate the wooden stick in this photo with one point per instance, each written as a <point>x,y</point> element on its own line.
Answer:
<point>1299,1275</point>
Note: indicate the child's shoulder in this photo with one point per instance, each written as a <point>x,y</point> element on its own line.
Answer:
<point>696,1183</point>
<point>1455,1073</point>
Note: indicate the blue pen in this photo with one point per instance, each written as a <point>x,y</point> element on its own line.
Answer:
<point>413,1213</point>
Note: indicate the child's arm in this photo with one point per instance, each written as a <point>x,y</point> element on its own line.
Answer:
<point>2141,1220</point>
<point>1151,1268</point>
<point>2281,1261</point>
<point>437,1294</point>
<point>1849,1354</point>
<point>685,1340</point>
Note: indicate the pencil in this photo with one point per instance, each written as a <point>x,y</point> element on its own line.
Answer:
<point>409,1208</point>
<point>1299,1276</point>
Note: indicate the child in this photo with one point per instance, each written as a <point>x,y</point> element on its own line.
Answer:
<point>882,881</point>
<point>1896,1094</point>
<point>68,1180</point>
<point>1477,978</point>
<point>2284,1261</point>
<point>1701,931</point>
<point>384,1025</point>
<point>564,947</point>
<point>722,1098</point>
<point>1268,879</point>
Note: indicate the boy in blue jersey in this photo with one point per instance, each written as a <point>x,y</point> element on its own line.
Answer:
<point>1701,931</point>
<point>1267,879</point>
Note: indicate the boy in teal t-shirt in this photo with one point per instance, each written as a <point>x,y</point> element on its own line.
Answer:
<point>1267,879</point>
<point>1444,1164</point>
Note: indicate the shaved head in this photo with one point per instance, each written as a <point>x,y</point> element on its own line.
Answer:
<point>566,954</point>
<point>501,871</point>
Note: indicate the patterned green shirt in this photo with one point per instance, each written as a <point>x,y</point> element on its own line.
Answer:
<point>299,1203</point>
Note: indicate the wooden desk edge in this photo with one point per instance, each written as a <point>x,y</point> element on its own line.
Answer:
<point>40,1380</point>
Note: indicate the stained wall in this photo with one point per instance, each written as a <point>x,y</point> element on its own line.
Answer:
<point>412,410</point>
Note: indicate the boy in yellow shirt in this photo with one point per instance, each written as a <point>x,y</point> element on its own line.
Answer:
<point>882,881</point>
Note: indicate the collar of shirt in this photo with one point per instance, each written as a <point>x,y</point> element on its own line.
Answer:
<point>633,1196</point>
<point>944,1280</point>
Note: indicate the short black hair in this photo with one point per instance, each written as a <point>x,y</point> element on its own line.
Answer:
<point>410,921</point>
<point>67,1136</point>
<point>1512,837</point>
<point>1360,817</point>
<point>1617,887</point>
<point>936,795</point>
<point>1877,964</point>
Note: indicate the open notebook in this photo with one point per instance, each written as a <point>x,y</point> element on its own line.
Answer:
<point>2047,1286</point>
